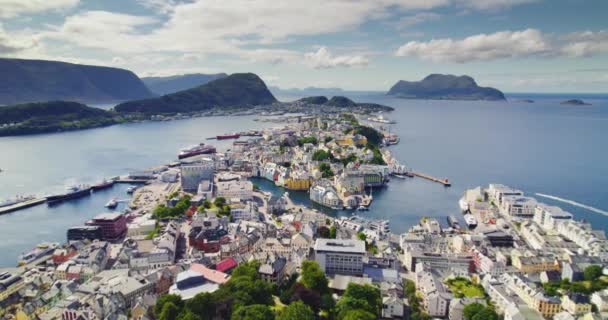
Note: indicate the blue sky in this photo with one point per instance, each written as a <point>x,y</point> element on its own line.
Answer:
<point>514,45</point>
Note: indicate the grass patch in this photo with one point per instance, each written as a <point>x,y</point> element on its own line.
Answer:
<point>462,287</point>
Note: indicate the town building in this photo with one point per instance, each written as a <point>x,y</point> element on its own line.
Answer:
<point>340,256</point>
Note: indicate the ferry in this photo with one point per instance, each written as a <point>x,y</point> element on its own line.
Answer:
<point>381,119</point>
<point>470,220</point>
<point>195,151</point>
<point>464,205</point>
<point>16,200</point>
<point>73,192</point>
<point>228,136</point>
<point>102,185</point>
<point>39,251</point>
<point>112,204</point>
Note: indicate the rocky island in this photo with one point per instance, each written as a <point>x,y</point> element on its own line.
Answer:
<point>575,102</point>
<point>444,87</point>
<point>53,116</point>
<point>25,81</point>
<point>343,102</point>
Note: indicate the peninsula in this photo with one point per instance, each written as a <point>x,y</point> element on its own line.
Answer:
<point>52,116</point>
<point>444,87</point>
<point>25,81</point>
<point>575,102</point>
<point>236,90</point>
<point>171,84</point>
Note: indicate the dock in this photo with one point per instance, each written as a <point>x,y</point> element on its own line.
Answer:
<point>22,205</point>
<point>444,182</point>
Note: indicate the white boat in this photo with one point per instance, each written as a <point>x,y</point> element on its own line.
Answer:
<point>464,205</point>
<point>363,208</point>
<point>113,203</point>
<point>132,189</point>
<point>470,220</point>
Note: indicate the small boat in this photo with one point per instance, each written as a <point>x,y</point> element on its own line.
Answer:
<point>102,185</point>
<point>132,189</point>
<point>112,204</point>
<point>470,220</point>
<point>362,208</point>
<point>228,136</point>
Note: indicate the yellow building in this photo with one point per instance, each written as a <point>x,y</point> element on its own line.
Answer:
<point>352,140</point>
<point>298,183</point>
<point>535,264</point>
<point>547,306</point>
<point>576,304</point>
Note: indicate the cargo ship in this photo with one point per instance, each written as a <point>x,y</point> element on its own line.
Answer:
<point>40,251</point>
<point>228,136</point>
<point>73,192</point>
<point>102,185</point>
<point>195,151</point>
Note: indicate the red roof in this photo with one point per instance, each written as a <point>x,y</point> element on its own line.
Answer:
<point>226,265</point>
<point>210,274</point>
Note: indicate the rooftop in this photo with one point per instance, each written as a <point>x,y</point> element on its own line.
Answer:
<point>340,245</point>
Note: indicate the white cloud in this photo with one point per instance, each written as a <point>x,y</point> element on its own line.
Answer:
<point>417,18</point>
<point>15,43</point>
<point>584,44</point>
<point>493,4</point>
<point>508,44</point>
<point>504,44</point>
<point>323,59</point>
<point>13,8</point>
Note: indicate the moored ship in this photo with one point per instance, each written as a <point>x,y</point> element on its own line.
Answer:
<point>102,185</point>
<point>228,136</point>
<point>195,151</point>
<point>39,251</point>
<point>470,220</point>
<point>74,192</point>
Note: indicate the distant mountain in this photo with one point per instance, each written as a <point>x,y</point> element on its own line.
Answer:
<point>575,102</point>
<point>444,87</point>
<point>343,102</point>
<point>308,91</point>
<point>236,90</point>
<point>41,80</point>
<point>171,84</point>
<point>52,116</point>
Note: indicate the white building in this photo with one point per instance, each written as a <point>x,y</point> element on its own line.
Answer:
<point>496,192</point>
<point>549,216</point>
<point>239,189</point>
<point>193,174</point>
<point>340,256</point>
<point>518,206</point>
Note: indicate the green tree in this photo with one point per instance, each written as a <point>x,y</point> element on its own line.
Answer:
<point>207,204</point>
<point>169,312</point>
<point>358,314</point>
<point>219,202</point>
<point>202,305</point>
<point>253,312</point>
<point>361,236</point>
<point>188,315</point>
<point>374,137</point>
<point>296,311</point>
<point>313,278</point>
<point>486,313</point>
<point>470,310</point>
<point>365,297</point>
<point>164,299</point>
<point>593,272</point>
<point>332,232</point>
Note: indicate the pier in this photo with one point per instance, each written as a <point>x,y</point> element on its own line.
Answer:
<point>22,205</point>
<point>444,182</point>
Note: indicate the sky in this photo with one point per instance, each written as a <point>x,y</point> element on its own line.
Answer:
<point>514,45</point>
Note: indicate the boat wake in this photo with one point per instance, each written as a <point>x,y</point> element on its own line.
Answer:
<point>574,203</point>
